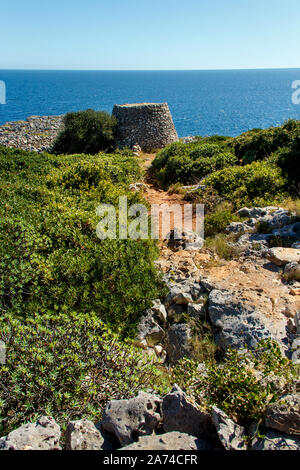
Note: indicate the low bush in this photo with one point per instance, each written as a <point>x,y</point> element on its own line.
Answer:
<point>243,384</point>
<point>67,366</point>
<point>259,144</point>
<point>259,183</point>
<point>188,163</point>
<point>86,132</point>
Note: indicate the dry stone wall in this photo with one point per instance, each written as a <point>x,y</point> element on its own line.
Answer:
<point>148,125</point>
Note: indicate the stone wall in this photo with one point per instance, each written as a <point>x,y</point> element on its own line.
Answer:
<point>149,125</point>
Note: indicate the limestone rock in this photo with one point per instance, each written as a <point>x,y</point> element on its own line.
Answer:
<point>169,441</point>
<point>149,329</point>
<point>160,310</point>
<point>292,271</point>
<point>284,415</point>
<point>231,435</point>
<point>282,256</point>
<point>181,415</point>
<point>177,342</point>
<point>129,419</point>
<point>42,435</point>
<point>273,440</point>
<point>197,311</point>
<point>236,325</point>
<point>83,435</point>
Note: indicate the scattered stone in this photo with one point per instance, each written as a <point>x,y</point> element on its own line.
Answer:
<point>231,435</point>
<point>129,419</point>
<point>169,441</point>
<point>284,415</point>
<point>83,435</point>
<point>186,240</point>
<point>43,435</point>
<point>181,415</point>
<point>138,187</point>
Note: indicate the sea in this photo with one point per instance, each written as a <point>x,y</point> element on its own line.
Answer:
<point>202,102</point>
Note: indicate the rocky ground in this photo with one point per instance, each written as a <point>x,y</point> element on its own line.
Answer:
<point>37,133</point>
<point>172,422</point>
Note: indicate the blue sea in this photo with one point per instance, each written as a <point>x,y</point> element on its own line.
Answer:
<point>225,102</point>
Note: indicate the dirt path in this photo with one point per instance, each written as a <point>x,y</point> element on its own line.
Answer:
<point>154,195</point>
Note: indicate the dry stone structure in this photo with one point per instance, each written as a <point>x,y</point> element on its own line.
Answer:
<point>148,125</point>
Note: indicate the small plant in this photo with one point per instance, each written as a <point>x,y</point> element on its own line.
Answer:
<point>221,246</point>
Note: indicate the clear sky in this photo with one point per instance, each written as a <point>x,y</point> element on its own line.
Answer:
<point>149,34</point>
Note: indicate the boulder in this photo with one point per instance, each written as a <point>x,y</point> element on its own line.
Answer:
<point>42,435</point>
<point>197,311</point>
<point>160,310</point>
<point>178,342</point>
<point>282,256</point>
<point>231,435</point>
<point>179,414</point>
<point>149,329</point>
<point>296,351</point>
<point>284,415</point>
<point>292,271</point>
<point>236,324</point>
<point>169,441</point>
<point>129,419</point>
<point>187,240</point>
<point>83,435</point>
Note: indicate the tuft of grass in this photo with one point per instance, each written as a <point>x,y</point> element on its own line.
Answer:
<point>222,246</point>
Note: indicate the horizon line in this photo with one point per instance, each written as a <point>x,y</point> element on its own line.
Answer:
<point>145,70</point>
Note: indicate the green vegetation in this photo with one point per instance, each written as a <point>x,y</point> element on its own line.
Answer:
<point>86,132</point>
<point>67,366</point>
<point>243,384</point>
<point>188,163</point>
<point>51,258</point>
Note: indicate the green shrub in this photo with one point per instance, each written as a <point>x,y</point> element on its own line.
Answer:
<point>86,132</point>
<point>258,144</point>
<point>259,183</point>
<point>289,161</point>
<point>188,163</point>
<point>67,366</point>
<point>50,257</point>
<point>243,385</point>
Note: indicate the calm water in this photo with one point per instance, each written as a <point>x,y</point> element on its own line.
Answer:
<point>201,102</point>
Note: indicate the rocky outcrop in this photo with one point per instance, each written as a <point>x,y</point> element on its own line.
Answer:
<point>43,435</point>
<point>236,324</point>
<point>149,125</point>
<point>169,441</point>
<point>129,419</point>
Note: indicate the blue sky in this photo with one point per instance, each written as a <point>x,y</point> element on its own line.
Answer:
<point>149,34</point>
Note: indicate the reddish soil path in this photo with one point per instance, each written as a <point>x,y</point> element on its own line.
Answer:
<point>154,195</point>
